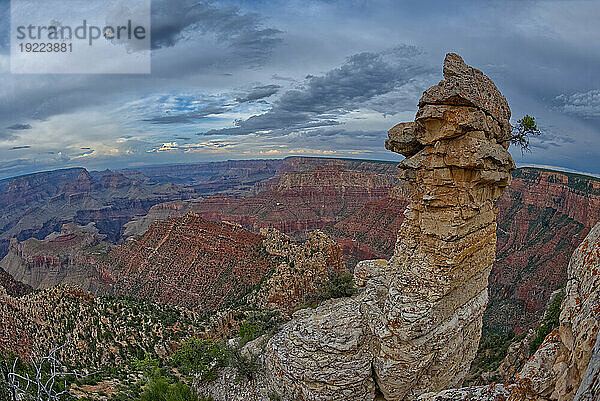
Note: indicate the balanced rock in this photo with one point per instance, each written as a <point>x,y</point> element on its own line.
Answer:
<point>415,324</point>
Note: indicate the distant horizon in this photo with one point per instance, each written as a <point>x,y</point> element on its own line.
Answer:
<point>557,169</point>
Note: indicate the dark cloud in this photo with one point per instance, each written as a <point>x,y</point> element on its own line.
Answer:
<point>323,99</point>
<point>5,26</point>
<point>14,166</point>
<point>20,147</point>
<point>365,140</point>
<point>549,139</point>
<point>19,127</point>
<point>177,20</point>
<point>189,117</point>
<point>533,50</point>
<point>280,78</point>
<point>216,37</point>
<point>258,93</point>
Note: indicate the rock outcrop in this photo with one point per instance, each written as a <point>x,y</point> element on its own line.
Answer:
<point>589,389</point>
<point>192,262</point>
<point>68,257</point>
<point>415,325</point>
<point>497,392</point>
<point>565,367</point>
<point>304,269</point>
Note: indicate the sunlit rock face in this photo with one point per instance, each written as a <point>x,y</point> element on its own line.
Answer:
<point>415,324</point>
<point>429,321</point>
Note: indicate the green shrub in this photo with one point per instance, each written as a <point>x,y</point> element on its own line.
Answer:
<point>259,323</point>
<point>245,367</point>
<point>249,332</point>
<point>160,389</point>
<point>492,350</point>
<point>201,358</point>
<point>339,286</point>
<point>4,392</point>
<point>149,366</point>
<point>274,396</point>
<point>549,322</point>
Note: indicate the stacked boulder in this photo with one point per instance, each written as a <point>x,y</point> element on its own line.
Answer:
<point>457,166</point>
<point>415,324</point>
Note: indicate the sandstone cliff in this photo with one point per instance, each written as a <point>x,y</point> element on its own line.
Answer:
<point>184,261</point>
<point>566,366</point>
<point>415,325</point>
<point>294,202</point>
<point>208,266</point>
<point>543,215</point>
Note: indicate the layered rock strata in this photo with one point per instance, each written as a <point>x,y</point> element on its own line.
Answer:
<point>304,269</point>
<point>66,257</point>
<point>565,367</point>
<point>415,325</point>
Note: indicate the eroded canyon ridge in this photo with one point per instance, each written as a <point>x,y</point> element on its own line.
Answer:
<point>415,325</point>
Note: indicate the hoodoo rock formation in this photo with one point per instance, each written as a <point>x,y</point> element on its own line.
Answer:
<point>415,324</point>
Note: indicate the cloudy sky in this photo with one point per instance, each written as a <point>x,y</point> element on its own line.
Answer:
<point>268,79</point>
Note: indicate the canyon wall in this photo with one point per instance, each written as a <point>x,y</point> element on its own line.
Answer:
<point>565,367</point>
<point>542,217</point>
<point>67,257</point>
<point>209,266</point>
<point>185,261</point>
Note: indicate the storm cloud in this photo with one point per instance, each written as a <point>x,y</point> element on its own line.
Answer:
<point>189,117</point>
<point>586,105</point>
<point>258,93</point>
<point>179,20</point>
<point>19,127</point>
<point>322,99</point>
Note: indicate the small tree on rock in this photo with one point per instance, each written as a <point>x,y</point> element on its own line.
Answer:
<point>525,129</point>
